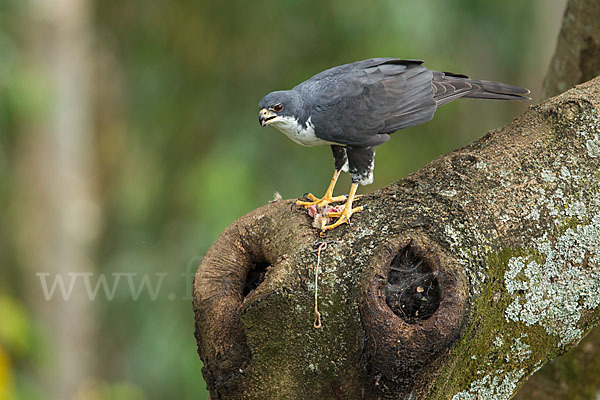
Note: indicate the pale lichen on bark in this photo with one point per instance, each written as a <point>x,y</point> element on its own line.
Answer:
<point>545,242</point>
<point>496,385</point>
<point>576,60</point>
<point>552,296</point>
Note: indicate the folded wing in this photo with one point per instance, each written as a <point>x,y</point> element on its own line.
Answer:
<point>360,103</point>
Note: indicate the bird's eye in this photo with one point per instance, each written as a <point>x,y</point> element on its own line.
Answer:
<point>278,107</point>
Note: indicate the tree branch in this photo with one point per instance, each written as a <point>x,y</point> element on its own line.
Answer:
<point>502,239</point>
<point>576,59</point>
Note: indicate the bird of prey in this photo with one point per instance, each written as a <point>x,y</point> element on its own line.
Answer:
<point>354,107</point>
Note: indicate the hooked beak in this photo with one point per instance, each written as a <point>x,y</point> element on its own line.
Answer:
<point>265,116</point>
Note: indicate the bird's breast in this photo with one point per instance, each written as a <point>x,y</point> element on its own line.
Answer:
<point>303,134</point>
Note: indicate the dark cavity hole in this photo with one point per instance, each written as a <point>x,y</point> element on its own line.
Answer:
<point>412,291</point>
<point>256,275</point>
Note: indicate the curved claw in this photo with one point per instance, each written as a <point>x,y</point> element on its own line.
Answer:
<point>338,214</point>
<point>343,217</point>
<point>315,201</point>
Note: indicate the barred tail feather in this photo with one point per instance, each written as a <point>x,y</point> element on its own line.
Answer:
<point>496,90</point>
<point>448,87</point>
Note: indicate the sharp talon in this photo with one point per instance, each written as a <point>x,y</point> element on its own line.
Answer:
<point>305,194</point>
<point>315,201</point>
<point>292,206</point>
<point>345,214</point>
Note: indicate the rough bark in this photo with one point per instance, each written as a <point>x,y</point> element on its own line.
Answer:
<point>509,229</point>
<point>575,375</point>
<point>577,53</point>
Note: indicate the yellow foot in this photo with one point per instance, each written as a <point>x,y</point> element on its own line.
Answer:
<point>319,202</point>
<point>342,217</point>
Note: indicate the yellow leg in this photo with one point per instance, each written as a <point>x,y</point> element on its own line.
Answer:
<point>344,216</point>
<point>327,198</point>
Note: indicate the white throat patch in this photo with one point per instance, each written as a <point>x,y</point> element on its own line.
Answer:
<point>304,135</point>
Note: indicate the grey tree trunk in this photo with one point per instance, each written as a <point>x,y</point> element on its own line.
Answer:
<point>577,55</point>
<point>58,214</point>
<point>459,281</point>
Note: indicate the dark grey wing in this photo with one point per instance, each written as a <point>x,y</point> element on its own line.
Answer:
<point>355,67</point>
<point>448,87</point>
<point>360,103</point>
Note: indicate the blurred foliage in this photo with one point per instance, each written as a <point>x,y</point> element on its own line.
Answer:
<point>180,154</point>
<point>18,342</point>
<point>108,391</point>
<point>15,331</point>
<point>6,379</point>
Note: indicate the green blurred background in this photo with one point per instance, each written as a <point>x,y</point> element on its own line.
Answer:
<point>129,139</point>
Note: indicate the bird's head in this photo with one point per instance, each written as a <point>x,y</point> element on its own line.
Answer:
<point>278,106</point>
